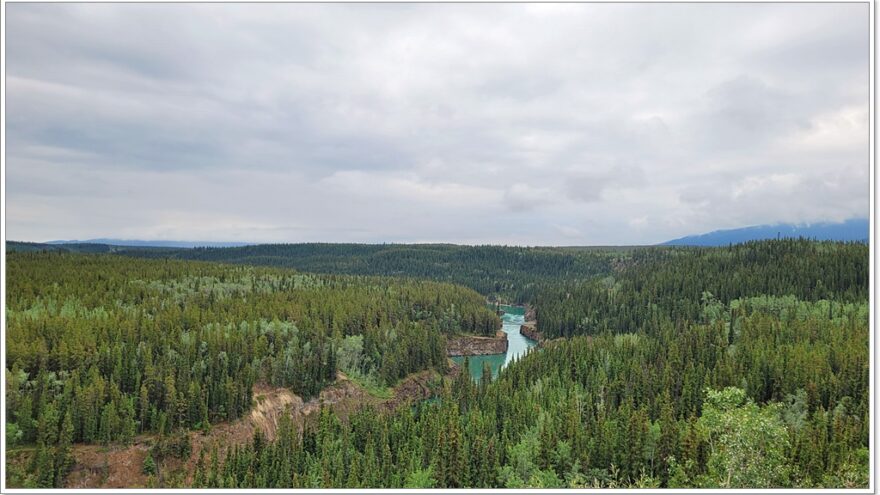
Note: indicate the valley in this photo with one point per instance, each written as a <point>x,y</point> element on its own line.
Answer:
<point>139,369</point>
<point>517,345</point>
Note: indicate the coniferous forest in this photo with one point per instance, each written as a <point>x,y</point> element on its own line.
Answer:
<point>739,366</point>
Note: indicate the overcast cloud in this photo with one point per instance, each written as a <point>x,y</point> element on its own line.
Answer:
<point>469,123</point>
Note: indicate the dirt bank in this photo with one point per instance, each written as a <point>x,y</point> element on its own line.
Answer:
<point>117,466</point>
<point>529,328</point>
<point>530,315</point>
<point>469,345</point>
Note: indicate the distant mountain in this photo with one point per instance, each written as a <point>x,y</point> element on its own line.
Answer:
<point>165,244</point>
<point>71,248</point>
<point>856,229</point>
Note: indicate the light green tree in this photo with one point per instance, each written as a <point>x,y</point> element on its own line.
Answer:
<point>747,443</point>
<point>420,478</point>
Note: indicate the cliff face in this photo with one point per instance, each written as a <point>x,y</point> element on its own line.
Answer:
<point>530,314</point>
<point>120,466</point>
<point>476,346</point>
<point>530,330</point>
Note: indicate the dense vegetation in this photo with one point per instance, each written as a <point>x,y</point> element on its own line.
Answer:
<point>511,273</point>
<point>676,367</point>
<point>100,348</point>
<point>678,283</point>
<point>748,388</point>
<point>611,411</point>
<point>84,247</point>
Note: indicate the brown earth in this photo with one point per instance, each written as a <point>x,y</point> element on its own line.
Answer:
<point>470,345</point>
<point>530,314</point>
<point>118,466</point>
<point>529,329</point>
<point>109,467</point>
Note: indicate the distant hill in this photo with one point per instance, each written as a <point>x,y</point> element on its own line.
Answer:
<point>86,247</point>
<point>36,246</point>
<point>165,244</point>
<point>856,229</point>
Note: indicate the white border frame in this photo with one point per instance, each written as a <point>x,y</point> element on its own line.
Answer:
<point>872,247</point>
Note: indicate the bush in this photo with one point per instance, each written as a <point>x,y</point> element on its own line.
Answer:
<point>149,465</point>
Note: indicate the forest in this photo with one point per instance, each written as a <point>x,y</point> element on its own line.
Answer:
<point>741,366</point>
<point>512,274</point>
<point>101,348</point>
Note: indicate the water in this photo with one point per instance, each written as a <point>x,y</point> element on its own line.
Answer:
<point>517,345</point>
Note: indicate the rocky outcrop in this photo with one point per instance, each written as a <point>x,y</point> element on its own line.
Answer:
<point>415,387</point>
<point>530,330</point>
<point>530,314</point>
<point>121,466</point>
<point>469,345</point>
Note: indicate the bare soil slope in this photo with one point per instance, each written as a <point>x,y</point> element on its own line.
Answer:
<point>100,466</point>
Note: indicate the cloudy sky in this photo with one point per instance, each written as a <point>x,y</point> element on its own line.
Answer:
<point>518,124</point>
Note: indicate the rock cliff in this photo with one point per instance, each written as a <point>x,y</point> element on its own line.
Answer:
<point>530,330</point>
<point>469,345</point>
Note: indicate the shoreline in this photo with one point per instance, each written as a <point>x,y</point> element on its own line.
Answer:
<point>472,345</point>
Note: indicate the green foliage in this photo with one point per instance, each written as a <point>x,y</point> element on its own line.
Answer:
<point>149,467</point>
<point>695,284</point>
<point>113,346</point>
<point>522,471</point>
<point>176,446</point>
<point>747,444</point>
<point>744,366</point>
<point>507,272</point>
<point>13,434</point>
<point>420,478</point>
<point>665,409</point>
<point>371,385</point>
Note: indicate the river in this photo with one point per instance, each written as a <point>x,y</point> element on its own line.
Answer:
<point>517,344</point>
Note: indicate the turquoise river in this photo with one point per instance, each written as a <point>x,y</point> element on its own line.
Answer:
<point>517,344</point>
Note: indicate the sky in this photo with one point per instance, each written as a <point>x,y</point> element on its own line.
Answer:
<point>527,124</point>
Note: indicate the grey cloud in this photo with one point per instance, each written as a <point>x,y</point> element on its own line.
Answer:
<point>533,124</point>
<point>588,186</point>
<point>748,112</point>
<point>523,197</point>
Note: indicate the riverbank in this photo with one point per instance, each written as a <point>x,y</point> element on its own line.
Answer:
<point>517,345</point>
<point>529,328</point>
<point>470,345</point>
<point>121,466</point>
